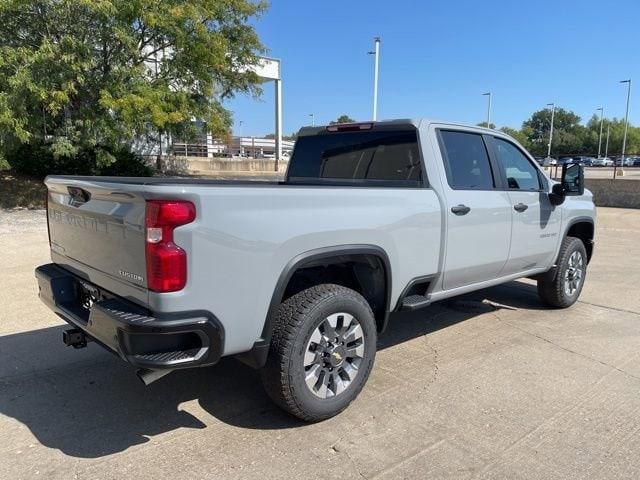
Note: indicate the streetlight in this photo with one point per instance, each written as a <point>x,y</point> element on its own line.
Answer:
<point>375,52</point>
<point>600,137</point>
<point>626,126</point>
<point>313,119</point>
<point>553,112</point>
<point>488,94</point>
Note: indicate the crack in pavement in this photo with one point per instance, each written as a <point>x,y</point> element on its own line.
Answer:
<point>351,459</point>
<point>606,307</point>
<point>539,337</point>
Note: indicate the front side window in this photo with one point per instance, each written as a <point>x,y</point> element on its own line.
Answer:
<point>373,156</point>
<point>518,170</point>
<point>466,161</point>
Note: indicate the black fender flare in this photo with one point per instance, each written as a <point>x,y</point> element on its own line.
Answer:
<point>257,356</point>
<point>550,274</point>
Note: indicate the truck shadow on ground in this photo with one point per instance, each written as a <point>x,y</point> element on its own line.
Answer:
<point>90,404</point>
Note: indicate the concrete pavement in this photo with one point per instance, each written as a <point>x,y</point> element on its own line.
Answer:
<point>492,385</point>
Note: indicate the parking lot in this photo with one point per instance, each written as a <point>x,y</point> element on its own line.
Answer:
<point>602,172</point>
<point>491,385</point>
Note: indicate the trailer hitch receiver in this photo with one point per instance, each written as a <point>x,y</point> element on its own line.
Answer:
<point>75,338</point>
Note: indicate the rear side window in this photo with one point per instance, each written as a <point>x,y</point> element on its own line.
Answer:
<point>466,161</point>
<point>518,170</point>
<point>373,157</point>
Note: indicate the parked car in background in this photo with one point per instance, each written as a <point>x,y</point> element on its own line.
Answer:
<point>602,162</point>
<point>630,161</point>
<point>586,161</point>
<point>636,162</point>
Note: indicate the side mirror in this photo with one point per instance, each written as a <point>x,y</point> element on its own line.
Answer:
<point>573,179</point>
<point>572,183</point>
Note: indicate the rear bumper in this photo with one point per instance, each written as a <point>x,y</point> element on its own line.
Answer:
<point>144,339</point>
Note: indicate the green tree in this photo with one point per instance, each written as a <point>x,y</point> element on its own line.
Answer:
<point>569,136</point>
<point>522,136</point>
<point>484,125</point>
<point>616,127</point>
<point>342,119</point>
<point>78,74</point>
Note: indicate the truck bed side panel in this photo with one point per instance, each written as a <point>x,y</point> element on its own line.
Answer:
<point>243,239</point>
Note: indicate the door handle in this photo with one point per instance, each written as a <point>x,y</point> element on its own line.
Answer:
<point>460,209</point>
<point>520,207</point>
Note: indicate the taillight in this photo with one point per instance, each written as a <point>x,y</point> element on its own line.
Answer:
<point>166,261</point>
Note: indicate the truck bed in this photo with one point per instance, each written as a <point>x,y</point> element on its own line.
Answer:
<point>244,235</point>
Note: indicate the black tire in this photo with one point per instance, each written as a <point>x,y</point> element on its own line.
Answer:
<point>297,319</point>
<point>555,292</point>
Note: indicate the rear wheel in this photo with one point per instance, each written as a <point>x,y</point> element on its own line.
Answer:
<point>564,289</point>
<point>322,350</point>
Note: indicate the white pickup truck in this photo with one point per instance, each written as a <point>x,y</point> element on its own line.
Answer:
<point>298,277</point>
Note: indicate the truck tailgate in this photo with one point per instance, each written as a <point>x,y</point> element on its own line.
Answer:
<point>97,232</point>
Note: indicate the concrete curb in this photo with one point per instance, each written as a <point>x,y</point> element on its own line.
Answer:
<point>620,192</point>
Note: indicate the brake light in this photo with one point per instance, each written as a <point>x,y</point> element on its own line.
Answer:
<point>350,127</point>
<point>166,261</point>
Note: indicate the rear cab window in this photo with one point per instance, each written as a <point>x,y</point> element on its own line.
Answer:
<point>466,160</point>
<point>358,158</point>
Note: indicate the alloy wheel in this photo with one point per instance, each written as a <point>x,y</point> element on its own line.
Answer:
<point>574,273</point>
<point>333,355</point>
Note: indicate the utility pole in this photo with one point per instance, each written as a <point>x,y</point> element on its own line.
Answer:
<point>376,53</point>
<point>606,148</point>
<point>313,119</point>
<point>488,94</point>
<point>600,137</point>
<point>624,137</point>
<point>553,111</point>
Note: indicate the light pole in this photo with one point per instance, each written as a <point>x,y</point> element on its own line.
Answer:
<point>375,52</point>
<point>488,94</point>
<point>600,137</point>
<point>553,112</point>
<point>313,119</point>
<point>626,126</point>
<point>606,147</point>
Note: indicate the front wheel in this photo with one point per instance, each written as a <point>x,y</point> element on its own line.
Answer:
<point>321,353</point>
<point>564,289</point>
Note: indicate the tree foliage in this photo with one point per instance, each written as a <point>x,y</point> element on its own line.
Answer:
<point>78,74</point>
<point>291,137</point>
<point>570,136</point>
<point>342,119</point>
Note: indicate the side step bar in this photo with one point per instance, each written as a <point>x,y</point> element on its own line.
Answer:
<point>415,302</point>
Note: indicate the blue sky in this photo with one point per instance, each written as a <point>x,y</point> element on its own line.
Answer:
<point>438,57</point>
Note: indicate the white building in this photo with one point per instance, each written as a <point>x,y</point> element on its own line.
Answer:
<point>206,146</point>
<point>257,147</point>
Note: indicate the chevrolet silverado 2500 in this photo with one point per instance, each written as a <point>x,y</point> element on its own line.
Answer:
<point>298,277</point>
